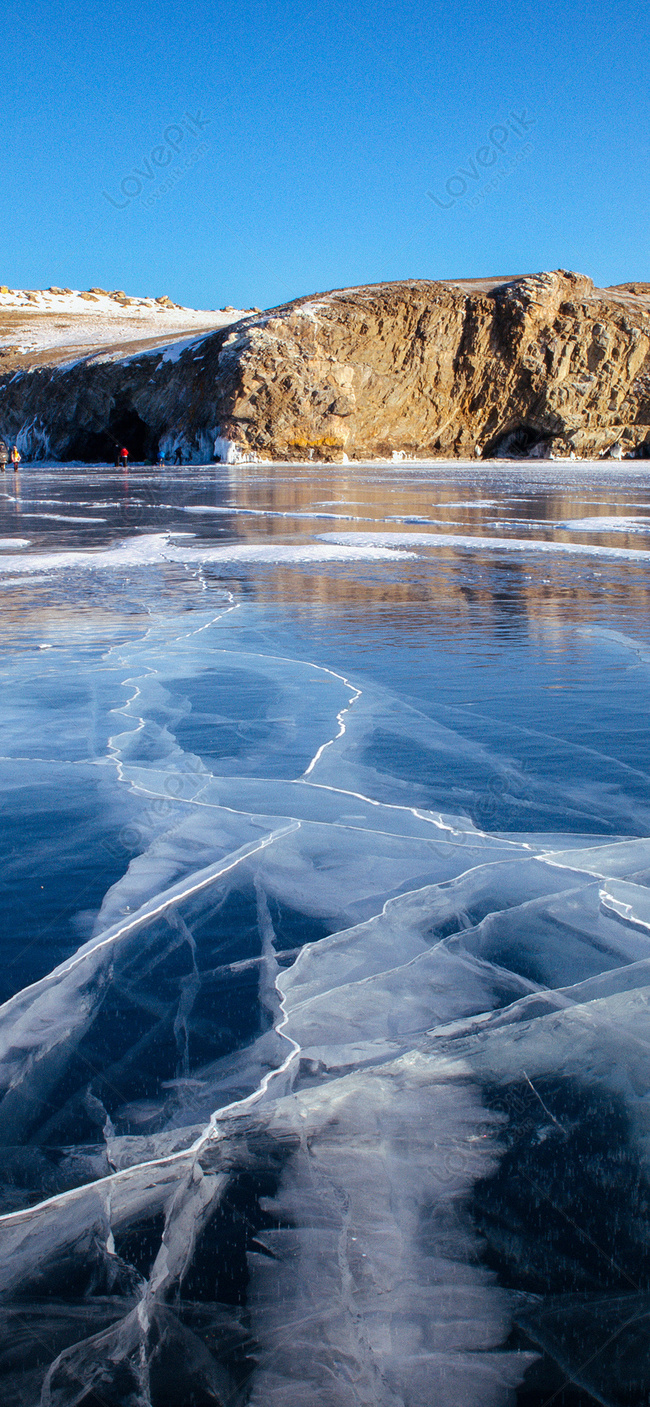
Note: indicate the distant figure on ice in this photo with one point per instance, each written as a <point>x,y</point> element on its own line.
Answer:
<point>178,457</point>
<point>160,462</point>
<point>123,457</point>
<point>4,455</point>
<point>15,457</point>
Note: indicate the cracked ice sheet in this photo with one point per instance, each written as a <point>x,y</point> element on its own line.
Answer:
<point>391,1312</point>
<point>356,1101</point>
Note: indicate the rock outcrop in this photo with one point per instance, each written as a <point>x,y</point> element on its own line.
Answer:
<point>427,369</point>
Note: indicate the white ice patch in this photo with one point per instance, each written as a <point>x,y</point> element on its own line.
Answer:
<point>486,544</point>
<point>268,512</point>
<point>157,547</point>
<point>619,524</point>
<point>62,517</point>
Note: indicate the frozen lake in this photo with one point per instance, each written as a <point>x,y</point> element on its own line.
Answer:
<point>325,955</point>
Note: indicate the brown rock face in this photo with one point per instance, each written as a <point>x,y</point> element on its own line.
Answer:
<point>439,368</point>
<point>428,369</point>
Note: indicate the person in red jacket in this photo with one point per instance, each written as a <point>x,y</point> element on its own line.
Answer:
<point>124,457</point>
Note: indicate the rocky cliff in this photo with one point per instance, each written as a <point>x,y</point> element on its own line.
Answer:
<point>429,369</point>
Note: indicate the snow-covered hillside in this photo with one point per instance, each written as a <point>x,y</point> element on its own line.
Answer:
<point>43,325</point>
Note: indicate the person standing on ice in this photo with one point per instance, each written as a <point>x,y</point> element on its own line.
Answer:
<point>178,457</point>
<point>4,455</point>
<point>124,457</point>
<point>15,457</point>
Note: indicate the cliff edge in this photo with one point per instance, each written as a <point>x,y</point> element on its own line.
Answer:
<point>430,369</point>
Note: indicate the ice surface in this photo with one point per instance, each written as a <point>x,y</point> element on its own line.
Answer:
<point>486,544</point>
<point>57,518</point>
<point>285,1081</point>
<point>620,524</point>
<point>267,513</point>
<point>156,547</point>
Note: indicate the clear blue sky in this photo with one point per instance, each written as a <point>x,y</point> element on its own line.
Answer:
<point>327,124</point>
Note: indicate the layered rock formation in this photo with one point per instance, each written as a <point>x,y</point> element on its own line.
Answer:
<point>428,369</point>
